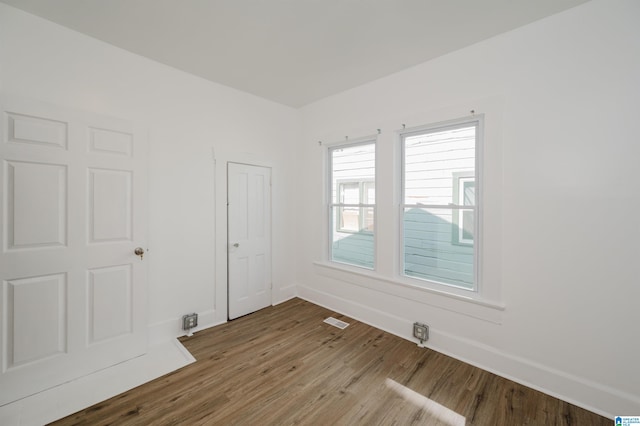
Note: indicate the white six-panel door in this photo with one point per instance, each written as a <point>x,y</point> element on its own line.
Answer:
<point>73,207</point>
<point>249,238</point>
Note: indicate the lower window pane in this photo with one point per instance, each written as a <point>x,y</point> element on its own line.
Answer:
<point>349,219</point>
<point>352,244</point>
<point>430,251</point>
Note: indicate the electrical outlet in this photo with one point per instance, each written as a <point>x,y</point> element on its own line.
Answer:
<point>421,331</point>
<point>189,321</point>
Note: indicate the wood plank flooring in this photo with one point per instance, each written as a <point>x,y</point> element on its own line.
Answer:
<point>284,366</point>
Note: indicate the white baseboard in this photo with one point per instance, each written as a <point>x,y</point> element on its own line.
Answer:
<point>591,396</point>
<point>171,329</point>
<point>284,293</point>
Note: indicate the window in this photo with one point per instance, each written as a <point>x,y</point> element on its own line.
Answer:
<point>356,219</point>
<point>439,210</point>
<point>352,205</point>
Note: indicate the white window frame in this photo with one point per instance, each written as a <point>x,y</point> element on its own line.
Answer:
<point>478,122</point>
<point>361,206</point>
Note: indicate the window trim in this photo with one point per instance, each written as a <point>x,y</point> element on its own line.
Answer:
<point>367,140</point>
<point>478,122</point>
<point>476,307</point>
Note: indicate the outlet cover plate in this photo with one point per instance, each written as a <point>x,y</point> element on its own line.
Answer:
<point>421,331</point>
<point>189,321</point>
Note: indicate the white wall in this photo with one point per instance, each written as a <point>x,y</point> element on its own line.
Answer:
<point>186,117</point>
<point>561,233</point>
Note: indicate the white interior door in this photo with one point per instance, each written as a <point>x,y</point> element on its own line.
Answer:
<point>73,207</point>
<point>249,238</point>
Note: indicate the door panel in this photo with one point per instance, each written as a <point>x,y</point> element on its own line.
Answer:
<point>36,130</point>
<point>73,293</point>
<point>249,235</point>
<point>110,142</point>
<point>35,200</point>
<point>110,202</point>
<point>110,309</point>
<point>49,294</point>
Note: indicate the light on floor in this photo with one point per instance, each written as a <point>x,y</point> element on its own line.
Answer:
<point>431,407</point>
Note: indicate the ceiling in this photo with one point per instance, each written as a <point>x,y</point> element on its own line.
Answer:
<point>292,51</point>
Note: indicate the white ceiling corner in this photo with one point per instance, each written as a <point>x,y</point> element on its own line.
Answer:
<point>292,51</point>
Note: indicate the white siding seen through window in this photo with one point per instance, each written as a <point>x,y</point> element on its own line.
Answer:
<point>352,206</point>
<point>439,210</point>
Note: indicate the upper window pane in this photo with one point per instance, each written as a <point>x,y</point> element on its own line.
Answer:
<point>431,159</point>
<point>352,166</point>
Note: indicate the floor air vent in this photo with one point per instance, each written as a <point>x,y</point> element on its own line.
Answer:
<point>337,323</point>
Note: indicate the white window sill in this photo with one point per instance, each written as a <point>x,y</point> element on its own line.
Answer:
<point>473,306</point>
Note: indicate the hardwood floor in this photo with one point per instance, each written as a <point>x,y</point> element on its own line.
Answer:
<point>283,365</point>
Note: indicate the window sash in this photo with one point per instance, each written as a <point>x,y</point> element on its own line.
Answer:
<point>346,244</point>
<point>456,207</point>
